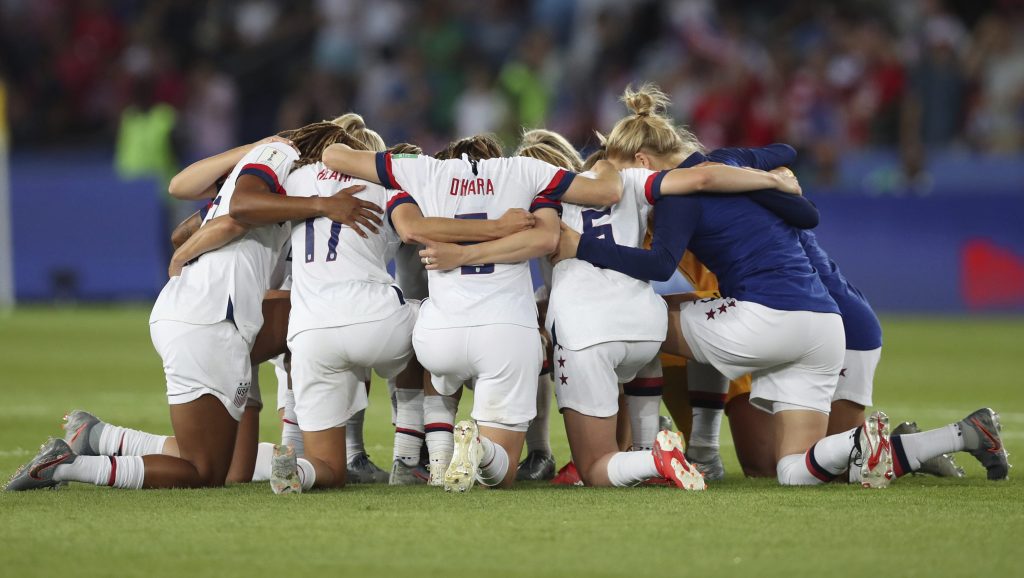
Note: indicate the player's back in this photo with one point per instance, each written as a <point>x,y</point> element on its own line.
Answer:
<point>483,293</point>
<point>338,277</point>
<point>589,304</point>
<point>229,282</point>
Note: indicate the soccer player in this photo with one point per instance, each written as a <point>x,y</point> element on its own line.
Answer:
<point>605,329</point>
<point>779,322</point>
<point>203,326</point>
<point>481,320</point>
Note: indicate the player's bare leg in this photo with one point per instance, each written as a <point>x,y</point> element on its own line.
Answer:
<point>845,415</point>
<point>325,458</point>
<point>753,434</point>
<point>796,431</point>
<point>498,444</point>
<point>243,461</point>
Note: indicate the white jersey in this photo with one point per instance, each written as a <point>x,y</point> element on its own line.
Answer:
<point>229,282</point>
<point>591,305</point>
<point>338,277</point>
<point>486,293</point>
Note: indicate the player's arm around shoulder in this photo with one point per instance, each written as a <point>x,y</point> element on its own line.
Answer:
<point>211,236</point>
<point>410,224</point>
<point>538,241</point>
<point>602,189</point>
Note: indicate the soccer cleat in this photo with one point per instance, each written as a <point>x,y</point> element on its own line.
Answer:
<point>943,466</point>
<point>671,462</point>
<point>713,469</point>
<point>568,476</point>
<point>403,475</point>
<point>284,471</point>
<point>78,426</point>
<point>462,471</point>
<point>538,465</point>
<point>665,422</point>
<point>38,473</point>
<point>982,440</point>
<point>876,452</point>
<point>362,471</point>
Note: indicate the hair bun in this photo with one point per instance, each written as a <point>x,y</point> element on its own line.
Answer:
<point>645,101</point>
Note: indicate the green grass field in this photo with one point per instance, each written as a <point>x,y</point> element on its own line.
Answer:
<point>933,370</point>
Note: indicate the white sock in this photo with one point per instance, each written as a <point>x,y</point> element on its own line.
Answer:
<point>127,472</point>
<point>264,458</point>
<point>121,441</point>
<point>354,436</point>
<point>307,473</point>
<point>538,436</point>
<point>707,391</point>
<point>439,421</point>
<point>392,395</point>
<point>644,419</point>
<point>409,434</point>
<point>627,469</point>
<point>792,470</point>
<point>830,456</point>
<point>910,450</point>
<point>291,433</point>
<point>494,464</point>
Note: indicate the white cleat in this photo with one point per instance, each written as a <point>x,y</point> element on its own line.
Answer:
<point>462,471</point>
<point>284,471</point>
<point>875,452</point>
<point>437,469</point>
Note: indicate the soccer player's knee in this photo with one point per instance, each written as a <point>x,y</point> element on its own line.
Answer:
<point>791,471</point>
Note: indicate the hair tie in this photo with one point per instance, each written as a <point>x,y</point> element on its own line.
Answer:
<point>643,114</point>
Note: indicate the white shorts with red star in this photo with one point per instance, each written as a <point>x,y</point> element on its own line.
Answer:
<point>794,357</point>
<point>587,381</point>
<point>857,378</point>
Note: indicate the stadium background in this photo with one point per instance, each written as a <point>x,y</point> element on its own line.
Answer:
<point>909,116</point>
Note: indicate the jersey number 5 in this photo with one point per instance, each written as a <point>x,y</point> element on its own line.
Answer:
<point>332,243</point>
<point>485,268</point>
<point>600,231</point>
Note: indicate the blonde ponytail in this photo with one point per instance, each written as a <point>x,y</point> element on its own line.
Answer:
<point>648,129</point>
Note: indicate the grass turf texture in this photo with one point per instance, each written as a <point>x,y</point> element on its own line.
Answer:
<point>933,370</point>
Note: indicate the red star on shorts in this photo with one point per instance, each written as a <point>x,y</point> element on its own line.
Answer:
<point>732,303</point>
<point>842,372</point>
<point>565,379</point>
<point>561,362</point>
<point>711,314</point>
<point>722,308</point>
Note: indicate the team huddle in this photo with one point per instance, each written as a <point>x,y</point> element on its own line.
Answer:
<point>288,264</point>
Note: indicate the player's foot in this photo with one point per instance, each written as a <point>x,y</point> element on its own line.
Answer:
<point>982,440</point>
<point>943,466</point>
<point>38,473</point>
<point>568,476</point>
<point>538,465</point>
<point>672,464</point>
<point>712,468</point>
<point>875,452</point>
<point>78,426</point>
<point>362,471</point>
<point>461,473</point>
<point>403,475</point>
<point>284,471</point>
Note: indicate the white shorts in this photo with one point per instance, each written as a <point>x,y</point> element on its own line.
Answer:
<point>587,381</point>
<point>794,357</point>
<point>503,359</point>
<point>204,360</point>
<point>329,366</point>
<point>857,378</point>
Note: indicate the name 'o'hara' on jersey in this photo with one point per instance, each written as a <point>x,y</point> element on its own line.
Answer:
<point>485,293</point>
<point>591,305</point>
<point>229,282</point>
<point>338,277</point>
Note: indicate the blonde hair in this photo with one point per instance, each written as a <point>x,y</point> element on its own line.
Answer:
<point>549,154</point>
<point>356,127</point>
<point>311,141</point>
<point>555,141</point>
<point>647,129</point>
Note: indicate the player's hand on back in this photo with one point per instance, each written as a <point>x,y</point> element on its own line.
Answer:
<point>437,256</point>
<point>273,139</point>
<point>788,181</point>
<point>514,221</point>
<point>568,243</point>
<point>348,210</point>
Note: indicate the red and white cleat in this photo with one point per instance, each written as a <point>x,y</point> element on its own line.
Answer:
<point>875,452</point>
<point>568,476</point>
<point>672,464</point>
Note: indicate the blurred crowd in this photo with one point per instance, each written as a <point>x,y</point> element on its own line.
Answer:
<point>826,76</point>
